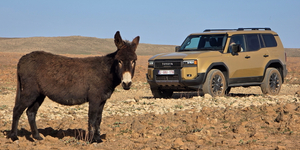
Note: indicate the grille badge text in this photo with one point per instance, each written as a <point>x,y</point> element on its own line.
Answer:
<point>167,64</point>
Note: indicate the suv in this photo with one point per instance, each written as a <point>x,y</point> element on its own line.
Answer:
<point>214,61</point>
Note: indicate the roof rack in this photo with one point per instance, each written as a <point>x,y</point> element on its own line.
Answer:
<point>239,29</point>
<point>208,30</point>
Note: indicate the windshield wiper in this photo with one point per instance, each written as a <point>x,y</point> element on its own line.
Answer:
<point>187,50</point>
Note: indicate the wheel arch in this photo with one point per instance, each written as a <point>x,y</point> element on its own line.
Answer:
<point>220,66</point>
<point>275,64</point>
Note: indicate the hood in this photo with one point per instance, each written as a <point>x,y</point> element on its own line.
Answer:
<point>186,55</point>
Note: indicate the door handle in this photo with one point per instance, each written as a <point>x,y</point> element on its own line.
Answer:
<point>266,55</point>
<point>247,56</point>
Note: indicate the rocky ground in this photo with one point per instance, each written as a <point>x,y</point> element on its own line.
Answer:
<point>133,119</point>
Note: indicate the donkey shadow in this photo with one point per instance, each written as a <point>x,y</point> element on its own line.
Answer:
<point>78,134</point>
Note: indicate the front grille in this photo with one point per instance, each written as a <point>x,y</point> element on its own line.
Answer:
<point>168,64</point>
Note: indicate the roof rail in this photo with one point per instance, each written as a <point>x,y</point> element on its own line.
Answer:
<point>208,30</point>
<point>239,29</point>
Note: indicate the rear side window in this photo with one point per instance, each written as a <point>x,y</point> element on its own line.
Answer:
<point>252,42</point>
<point>269,40</point>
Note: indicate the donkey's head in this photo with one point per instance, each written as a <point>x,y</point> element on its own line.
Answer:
<point>126,59</point>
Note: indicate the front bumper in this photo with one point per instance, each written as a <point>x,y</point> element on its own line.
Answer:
<point>175,82</point>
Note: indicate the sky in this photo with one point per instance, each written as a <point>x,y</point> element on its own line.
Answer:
<point>166,22</point>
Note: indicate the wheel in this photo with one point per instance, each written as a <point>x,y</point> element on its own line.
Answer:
<point>157,93</point>
<point>215,83</point>
<point>272,82</point>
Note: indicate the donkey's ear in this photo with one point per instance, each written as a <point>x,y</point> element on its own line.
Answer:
<point>135,42</point>
<point>118,40</point>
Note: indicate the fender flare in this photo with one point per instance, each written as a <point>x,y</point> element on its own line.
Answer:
<point>217,66</point>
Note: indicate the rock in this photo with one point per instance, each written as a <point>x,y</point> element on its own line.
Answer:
<point>136,98</point>
<point>259,135</point>
<point>288,108</point>
<point>279,117</point>
<point>137,126</point>
<point>191,137</point>
<point>130,101</point>
<point>207,96</point>
<point>280,148</point>
<point>51,139</point>
<point>135,135</point>
<point>177,143</point>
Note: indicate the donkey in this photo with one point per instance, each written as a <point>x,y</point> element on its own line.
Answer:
<point>72,81</point>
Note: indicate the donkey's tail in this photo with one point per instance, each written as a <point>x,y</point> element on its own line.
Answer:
<point>18,89</point>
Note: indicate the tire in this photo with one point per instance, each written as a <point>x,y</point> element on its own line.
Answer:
<point>272,82</point>
<point>215,83</point>
<point>157,93</point>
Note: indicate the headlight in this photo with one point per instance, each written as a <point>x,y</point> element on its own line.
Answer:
<point>190,62</point>
<point>150,63</point>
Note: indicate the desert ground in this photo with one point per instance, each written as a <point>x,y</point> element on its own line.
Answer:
<point>133,119</point>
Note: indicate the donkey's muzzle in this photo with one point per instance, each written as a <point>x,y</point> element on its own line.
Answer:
<point>126,81</point>
<point>126,86</point>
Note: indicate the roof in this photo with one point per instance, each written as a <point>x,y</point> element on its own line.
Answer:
<point>236,31</point>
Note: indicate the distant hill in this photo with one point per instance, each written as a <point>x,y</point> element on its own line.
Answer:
<point>86,45</point>
<point>74,45</point>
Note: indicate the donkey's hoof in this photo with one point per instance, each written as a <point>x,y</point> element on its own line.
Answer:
<point>97,138</point>
<point>14,137</point>
<point>38,137</point>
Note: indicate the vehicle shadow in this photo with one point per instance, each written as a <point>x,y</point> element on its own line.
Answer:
<point>187,95</point>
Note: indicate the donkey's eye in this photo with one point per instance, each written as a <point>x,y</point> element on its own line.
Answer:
<point>133,62</point>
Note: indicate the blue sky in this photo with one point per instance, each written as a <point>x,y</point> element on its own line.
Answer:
<point>156,21</point>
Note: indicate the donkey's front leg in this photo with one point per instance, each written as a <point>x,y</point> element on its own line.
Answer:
<point>92,120</point>
<point>97,135</point>
<point>95,112</point>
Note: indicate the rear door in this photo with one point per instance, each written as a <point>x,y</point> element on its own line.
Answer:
<point>248,65</point>
<point>257,54</point>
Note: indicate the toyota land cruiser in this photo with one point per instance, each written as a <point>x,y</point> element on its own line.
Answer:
<point>217,59</point>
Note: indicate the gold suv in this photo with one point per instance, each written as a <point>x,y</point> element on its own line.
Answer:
<point>214,61</point>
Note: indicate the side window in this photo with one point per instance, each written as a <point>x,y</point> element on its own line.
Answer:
<point>269,40</point>
<point>252,42</point>
<point>236,39</point>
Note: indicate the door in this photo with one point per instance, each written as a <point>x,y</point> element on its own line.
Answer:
<point>248,65</point>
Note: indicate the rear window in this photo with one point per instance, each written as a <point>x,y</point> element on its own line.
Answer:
<point>269,40</point>
<point>252,42</point>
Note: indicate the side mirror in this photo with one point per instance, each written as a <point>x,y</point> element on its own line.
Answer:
<point>235,49</point>
<point>177,48</point>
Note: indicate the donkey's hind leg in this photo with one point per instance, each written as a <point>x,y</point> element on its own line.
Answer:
<point>31,114</point>
<point>17,112</point>
<point>21,104</point>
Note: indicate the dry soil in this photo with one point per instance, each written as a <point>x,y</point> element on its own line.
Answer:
<point>133,119</point>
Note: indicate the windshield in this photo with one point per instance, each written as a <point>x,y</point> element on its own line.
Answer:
<point>204,42</point>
